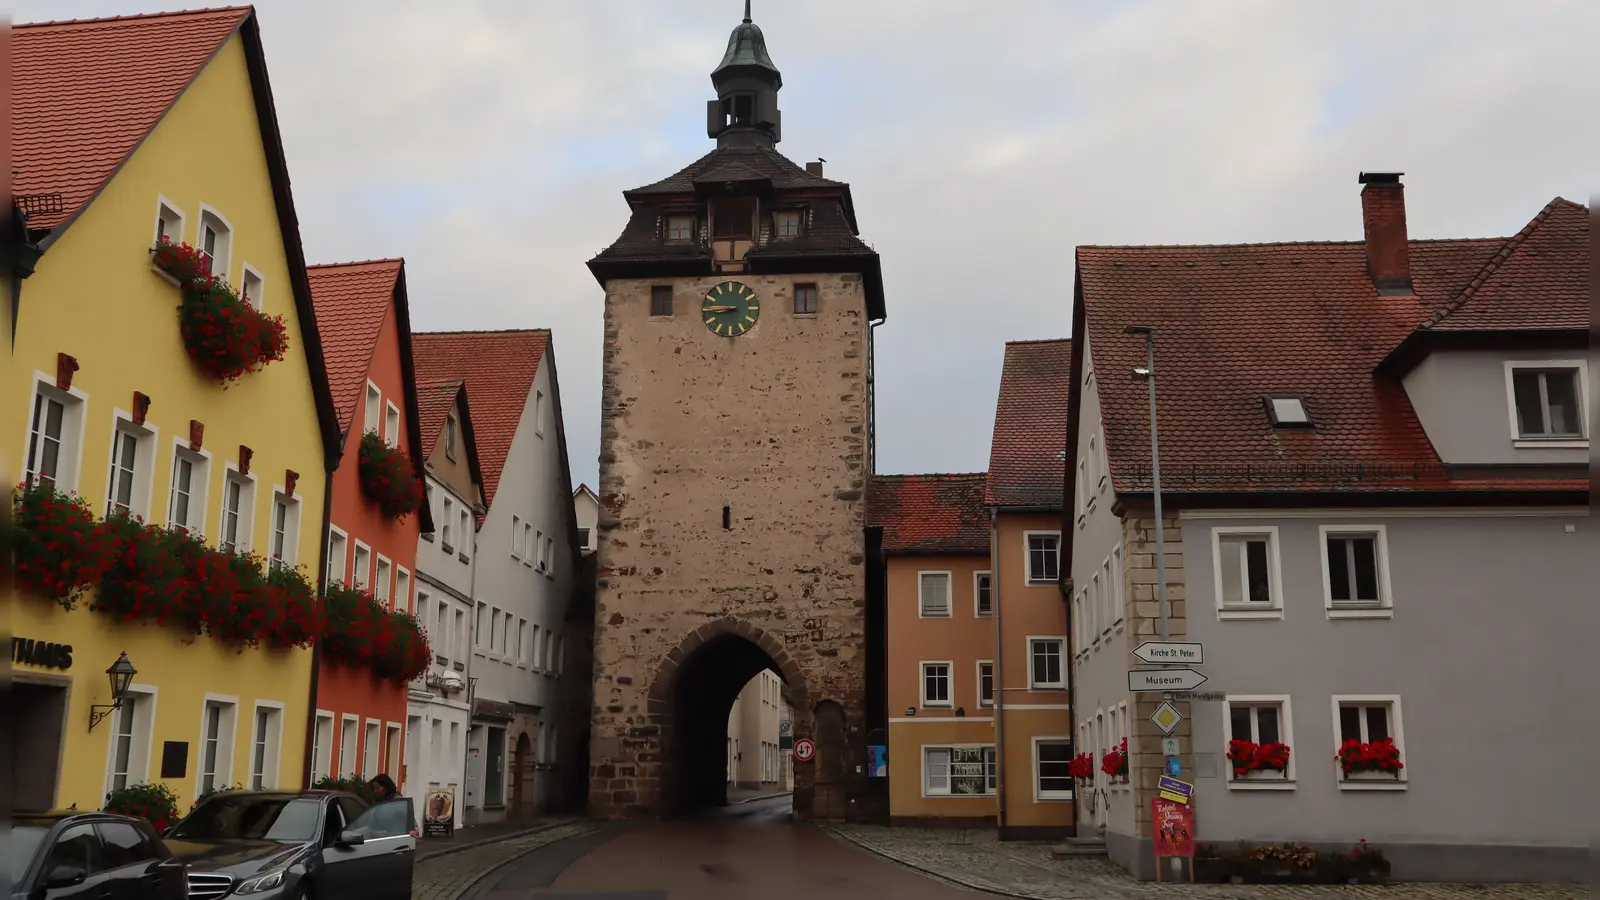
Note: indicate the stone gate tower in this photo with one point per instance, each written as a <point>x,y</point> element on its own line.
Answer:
<point>736,440</point>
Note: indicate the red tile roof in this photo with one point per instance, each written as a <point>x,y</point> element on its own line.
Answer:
<point>1539,279</point>
<point>1235,323</point>
<point>929,514</point>
<point>1030,425</point>
<point>85,93</point>
<point>435,400</point>
<point>353,300</point>
<point>499,368</point>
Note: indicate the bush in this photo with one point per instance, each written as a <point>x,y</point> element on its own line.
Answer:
<point>353,785</point>
<point>155,803</point>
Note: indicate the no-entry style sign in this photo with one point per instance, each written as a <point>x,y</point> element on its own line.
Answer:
<point>804,749</point>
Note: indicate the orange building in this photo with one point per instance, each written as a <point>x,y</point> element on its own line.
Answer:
<point>977,657</point>
<point>357,727</point>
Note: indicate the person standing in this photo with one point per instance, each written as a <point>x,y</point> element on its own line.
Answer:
<point>384,791</point>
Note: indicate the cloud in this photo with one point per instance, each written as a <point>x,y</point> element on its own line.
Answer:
<point>488,143</point>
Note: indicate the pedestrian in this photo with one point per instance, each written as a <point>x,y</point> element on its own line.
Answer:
<point>384,791</point>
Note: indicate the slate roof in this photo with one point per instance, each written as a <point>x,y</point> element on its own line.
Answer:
<point>929,514</point>
<point>435,400</point>
<point>1235,323</point>
<point>86,92</point>
<point>764,162</point>
<point>1030,426</point>
<point>353,301</point>
<point>499,368</point>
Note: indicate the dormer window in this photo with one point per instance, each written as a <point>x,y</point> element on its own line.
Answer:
<point>1287,412</point>
<point>680,228</point>
<point>733,218</point>
<point>788,222</point>
<point>1547,400</point>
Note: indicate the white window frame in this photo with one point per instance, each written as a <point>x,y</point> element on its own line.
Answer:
<point>1027,556</point>
<point>163,208</point>
<point>1581,442</point>
<point>530,542</point>
<point>1118,604</point>
<point>1273,609</point>
<point>372,409</point>
<point>291,528</point>
<point>949,594</point>
<point>403,590</point>
<point>140,746</point>
<point>74,419</point>
<point>246,272</point>
<point>225,238</point>
<point>244,531</point>
<point>1082,489</point>
<point>505,634</point>
<point>549,557</point>
<point>1092,457</point>
<point>1040,795</point>
<point>1091,608</point>
<point>517,541</point>
<point>464,523</point>
<point>394,739</point>
<point>359,580</point>
<point>992,686</point>
<point>1347,609</point>
<point>1397,728</point>
<point>446,523</point>
<point>977,590</point>
<point>349,750</point>
<point>371,750</point>
<point>1065,662</point>
<point>272,755</point>
<point>199,486</point>
<point>1256,781</point>
<point>322,753</point>
<point>146,438</point>
<point>383,581</point>
<point>450,436</point>
<point>990,764</point>
<point>523,650</point>
<point>338,574</point>
<point>227,736</point>
<point>391,424</point>
<point>536,652</point>
<point>536,557</point>
<point>949,679</point>
<point>538,413</point>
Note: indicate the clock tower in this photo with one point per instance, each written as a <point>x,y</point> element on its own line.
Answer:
<point>736,442</point>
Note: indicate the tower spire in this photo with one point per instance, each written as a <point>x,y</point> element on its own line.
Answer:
<point>747,12</point>
<point>745,112</point>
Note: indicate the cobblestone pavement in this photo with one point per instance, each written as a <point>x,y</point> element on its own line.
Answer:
<point>449,876</point>
<point>976,859</point>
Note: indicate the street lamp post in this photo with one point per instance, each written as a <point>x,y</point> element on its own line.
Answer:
<point>1148,373</point>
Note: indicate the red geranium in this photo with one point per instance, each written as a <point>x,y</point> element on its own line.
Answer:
<point>1247,756</point>
<point>60,550</point>
<point>388,477</point>
<point>300,617</point>
<point>1115,763</point>
<point>183,262</point>
<point>1082,766</point>
<point>1370,756</point>
<point>226,336</point>
<point>361,633</point>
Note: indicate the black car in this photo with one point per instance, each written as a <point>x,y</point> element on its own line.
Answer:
<point>268,845</point>
<point>87,856</point>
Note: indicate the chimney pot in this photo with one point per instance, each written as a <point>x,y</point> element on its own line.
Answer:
<point>1383,219</point>
<point>815,168</point>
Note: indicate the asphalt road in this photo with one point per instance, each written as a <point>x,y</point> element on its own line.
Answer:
<point>744,852</point>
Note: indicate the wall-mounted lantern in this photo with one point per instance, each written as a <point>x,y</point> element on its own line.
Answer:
<point>121,674</point>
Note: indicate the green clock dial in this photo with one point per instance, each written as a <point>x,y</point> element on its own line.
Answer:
<point>731,308</point>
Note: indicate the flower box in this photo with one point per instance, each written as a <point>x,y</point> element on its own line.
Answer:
<point>1115,763</point>
<point>1370,761</point>
<point>1259,762</point>
<point>360,633</point>
<point>388,477</point>
<point>180,264</point>
<point>223,334</point>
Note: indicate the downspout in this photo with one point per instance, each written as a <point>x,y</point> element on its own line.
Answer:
<point>308,773</point>
<point>999,673</point>
<point>472,641</point>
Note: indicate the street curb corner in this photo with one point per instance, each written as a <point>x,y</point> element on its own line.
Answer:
<point>928,873</point>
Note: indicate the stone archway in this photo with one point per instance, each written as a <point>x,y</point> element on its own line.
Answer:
<point>689,701</point>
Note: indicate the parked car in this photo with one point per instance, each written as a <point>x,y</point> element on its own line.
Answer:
<point>267,845</point>
<point>69,855</point>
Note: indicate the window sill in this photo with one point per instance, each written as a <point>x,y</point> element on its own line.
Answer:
<point>1244,615</point>
<point>1082,520</point>
<point>927,705</point>
<point>447,548</point>
<point>1041,582</point>
<point>1358,785</point>
<point>800,315</point>
<point>984,796</point>
<point>1047,687</point>
<point>1551,443</point>
<point>463,557</point>
<point>1374,612</point>
<point>1052,798</point>
<point>427,536</point>
<point>1279,784</point>
<point>164,275</point>
<point>924,615</point>
<point>527,563</point>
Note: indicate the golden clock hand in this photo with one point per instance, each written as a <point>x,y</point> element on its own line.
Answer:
<point>717,309</point>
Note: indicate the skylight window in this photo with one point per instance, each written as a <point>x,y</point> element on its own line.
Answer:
<point>1287,412</point>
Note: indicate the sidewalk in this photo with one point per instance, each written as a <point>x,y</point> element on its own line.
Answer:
<point>738,795</point>
<point>478,835</point>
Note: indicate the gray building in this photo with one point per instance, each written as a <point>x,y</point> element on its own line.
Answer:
<point>1373,468</point>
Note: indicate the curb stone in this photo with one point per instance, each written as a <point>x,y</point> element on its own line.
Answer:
<point>761,797</point>
<point>936,876</point>
<point>446,851</point>
<point>468,889</point>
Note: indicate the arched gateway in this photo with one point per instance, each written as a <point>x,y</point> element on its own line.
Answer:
<point>735,445</point>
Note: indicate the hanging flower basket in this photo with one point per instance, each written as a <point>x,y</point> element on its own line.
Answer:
<point>226,336</point>
<point>1115,763</point>
<point>388,477</point>
<point>60,550</point>
<point>1380,758</point>
<point>1249,758</point>
<point>155,803</point>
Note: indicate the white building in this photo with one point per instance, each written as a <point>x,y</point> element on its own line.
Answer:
<point>587,505</point>
<point>524,557</point>
<point>437,713</point>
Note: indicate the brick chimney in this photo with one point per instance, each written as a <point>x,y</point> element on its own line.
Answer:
<point>1383,219</point>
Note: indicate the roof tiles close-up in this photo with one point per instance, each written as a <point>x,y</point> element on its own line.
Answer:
<point>499,368</point>
<point>929,514</point>
<point>353,301</point>
<point>435,400</point>
<point>1026,454</point>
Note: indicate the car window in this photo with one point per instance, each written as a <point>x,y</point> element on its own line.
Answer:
<point>251,817</point>
<point>391,818</point>
<point>78,847</point>
<point>124,845</point>
<point>334,825</point>
<point>19,848</point>
<point>352,808</point>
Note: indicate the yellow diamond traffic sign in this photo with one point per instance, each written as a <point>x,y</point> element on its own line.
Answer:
<point>1166,717</point>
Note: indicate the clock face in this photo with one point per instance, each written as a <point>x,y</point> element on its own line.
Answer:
<point>731,308</point>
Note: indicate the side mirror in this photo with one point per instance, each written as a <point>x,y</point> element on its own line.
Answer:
<point>65,875</point>
<point>351,838</point>
<point>167,831</point>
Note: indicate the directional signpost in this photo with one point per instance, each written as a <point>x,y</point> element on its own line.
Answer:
<point>1169,653</point>
<point>1157,680</point>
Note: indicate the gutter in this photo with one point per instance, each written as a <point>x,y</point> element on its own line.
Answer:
<point>472,643</point>
<point>999,673</point>
<point>309,763</point>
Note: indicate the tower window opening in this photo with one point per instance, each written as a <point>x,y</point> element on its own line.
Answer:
<point>744,109</point>
<point>727,518</point>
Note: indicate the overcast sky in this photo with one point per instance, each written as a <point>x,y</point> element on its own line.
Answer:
<point>488,143</point>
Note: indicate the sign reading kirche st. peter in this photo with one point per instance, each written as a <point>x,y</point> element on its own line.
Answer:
<point>46,654</point>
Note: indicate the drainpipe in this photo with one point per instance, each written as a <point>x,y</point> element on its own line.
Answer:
<point>472,641</point>
<point>307,773</point>
<point>999,673</point>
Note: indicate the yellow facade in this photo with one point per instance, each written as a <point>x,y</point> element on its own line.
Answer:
<point>95,297</point>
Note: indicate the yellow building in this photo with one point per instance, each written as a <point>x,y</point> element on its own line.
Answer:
<point>126,130</point>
